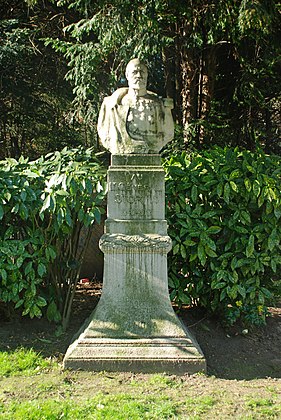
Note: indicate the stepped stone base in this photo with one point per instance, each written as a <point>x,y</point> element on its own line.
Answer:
<point>154,340</point>
<point>170,355</point>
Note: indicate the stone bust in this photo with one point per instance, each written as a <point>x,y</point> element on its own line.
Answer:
<point>134,120</point>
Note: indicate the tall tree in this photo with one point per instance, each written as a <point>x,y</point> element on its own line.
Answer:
<point>220,61</point>
<point>34,96</point>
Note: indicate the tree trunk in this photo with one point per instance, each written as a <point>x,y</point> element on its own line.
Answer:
<point>189,93</point>
<point>189,80</point>
<point>171,59</point>
<point>198,77</point>
<point>206,89</point>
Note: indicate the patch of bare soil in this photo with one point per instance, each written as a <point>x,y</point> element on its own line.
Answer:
<point>238,352</point>
<point>233,353</point>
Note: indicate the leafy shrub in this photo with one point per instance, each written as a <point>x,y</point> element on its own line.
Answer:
<point>44,206</point>
<point>223,211</point>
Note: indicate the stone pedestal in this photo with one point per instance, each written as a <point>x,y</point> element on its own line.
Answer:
<point>134,327</point>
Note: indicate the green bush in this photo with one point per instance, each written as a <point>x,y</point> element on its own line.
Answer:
<point>44,206</point>
<point>223,211</point>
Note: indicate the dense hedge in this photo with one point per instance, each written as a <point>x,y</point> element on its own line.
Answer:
<point>223,211</point>
<point>44,206</point>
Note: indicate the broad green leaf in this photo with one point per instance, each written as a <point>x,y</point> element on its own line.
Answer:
<point>62,193</point>
<point>235,174</point>
<point>183,223</point>
<point>267,293</point>
<point>226,194</point>
<point>19,303</point>
<point>193,257</point>
<point>183,232</point>
<point>206,240</point>
<point>245,216</point>
<point>233,186</point>
<point>273,239</point>
<point>218,285</point>
<point>256,188</point>
<point>23,211</point>
<point>53,313</point>
<point>28,268</point>
<point>260,200</point>
<point>232,291</point>
<point>210,252</point>
<point>46,203</point>
<point>19,261</point>
<point>201,254</point>
<point>241,229</point>
<point>60,216</point>
<point>277,211</point>
<point>171,282</point>
<point>176,249</point>
<point>194,193</point>
<point>35,311</point>
<point>214,229</point>
<point>268,208</point>
<point>7,196</point>
<point>41,269</point>
<point>23,195</point>
<point>184,298</point>
<point>183,251</point>
<point>189,242</point>
<point>97,215</point>
<point>250,247</point>
<point>273,265</point>
<point>242,291</point>
<point>15,209</point>
<point>241,262</point>
<point>271,194</point>
<point>209,214</point>
<point>40,301</point>
<point>4,276</point>
<point>248,184</point>
<point>222,294</point>
<point>50,253</point>
<point>68,217</point>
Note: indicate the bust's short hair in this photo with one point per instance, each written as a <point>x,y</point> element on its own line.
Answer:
<point>133,63</point>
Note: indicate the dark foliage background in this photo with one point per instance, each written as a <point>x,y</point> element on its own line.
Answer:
<point>218,60</point>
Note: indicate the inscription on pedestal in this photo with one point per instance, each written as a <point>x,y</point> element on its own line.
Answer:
<point>136,194</point>
<point>122,191</point>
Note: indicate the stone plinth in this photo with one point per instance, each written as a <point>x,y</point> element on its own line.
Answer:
<point>134,327</point>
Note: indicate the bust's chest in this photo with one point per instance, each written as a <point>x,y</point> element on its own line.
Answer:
<point>142,111</point>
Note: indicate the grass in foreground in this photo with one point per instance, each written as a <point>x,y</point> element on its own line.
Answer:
<point>22,362</point>
<point>120,406</point>
<point>43,391</point>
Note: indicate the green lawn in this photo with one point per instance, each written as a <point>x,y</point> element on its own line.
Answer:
<point>32,387</point>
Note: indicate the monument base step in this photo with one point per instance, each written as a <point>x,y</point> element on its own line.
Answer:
<point>172,355</point>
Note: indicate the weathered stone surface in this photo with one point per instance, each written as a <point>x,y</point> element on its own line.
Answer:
<point>134,326</point>
<point>133,227</point>
<point>170,355</point>
<point>134,120</point>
